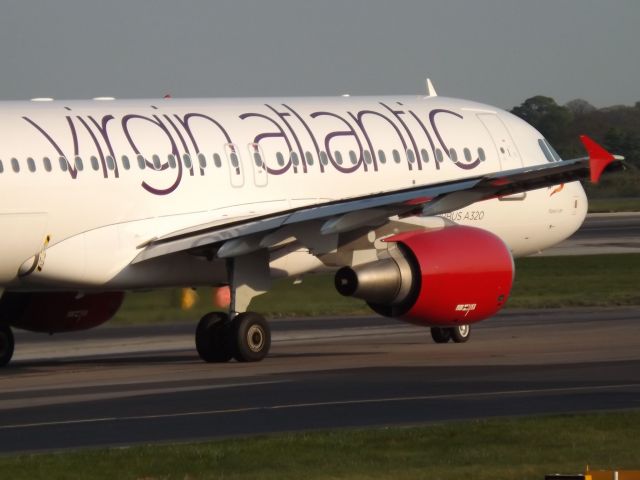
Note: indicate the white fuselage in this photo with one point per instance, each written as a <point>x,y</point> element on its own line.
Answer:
<point>76,204</point>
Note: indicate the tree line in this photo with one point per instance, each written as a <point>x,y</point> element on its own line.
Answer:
<point>617,128</point>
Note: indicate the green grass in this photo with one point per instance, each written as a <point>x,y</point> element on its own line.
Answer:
<point>525,448</point>
<point>590,280</point>
<point>607,205</point>
<point>623,184</point>
<point>541,282</point>
<point>316,296</point>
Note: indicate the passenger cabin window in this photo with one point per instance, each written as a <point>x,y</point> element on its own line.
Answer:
<point>367,157</point>
<point>439,156</point>
<point>46,163</point>
<point>338,157</point>
<point>15,165</point>
<point>382,156</point>
<point>453,154</point>
<point>481,154</point>
<point>31,164</point>
<point>308,156</point>
<point>111,162</point>
<point>1,167</point>
<point>294,158</point>
<point>79,164</point>
<point>257,158</point>
<point>217,161</point>
<point>202,160</point>
<point>280,159</point>
<point>186,159</point>
<point>172,160</point>
<point>156,162</point>
<point>396,156</point>
<point>141,162</point>
<point>233,156</point>
<point>410,156</point>
<point>467,154</point>
<point>64,165</point>
<point>323,158</point>
<point>125,162</point>
<point>94,162</point>
<point>425,155</point>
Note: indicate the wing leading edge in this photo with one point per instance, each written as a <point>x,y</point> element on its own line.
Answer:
<point>248,235</point>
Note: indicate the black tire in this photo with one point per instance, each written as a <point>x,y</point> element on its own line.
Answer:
<point>252,337</point>
<point>440,335</point>
<point>213,341</point>
<point>460,334</point>
<point>6,345</point>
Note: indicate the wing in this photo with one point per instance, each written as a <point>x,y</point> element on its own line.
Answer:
<point>247,235</point>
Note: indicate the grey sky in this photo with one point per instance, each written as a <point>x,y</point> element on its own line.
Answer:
<point>497,51</point>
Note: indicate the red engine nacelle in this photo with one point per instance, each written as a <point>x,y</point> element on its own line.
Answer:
<point>457,275</point>
<point>58,311</point>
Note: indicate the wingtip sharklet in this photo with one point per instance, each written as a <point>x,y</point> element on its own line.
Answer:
<point>599,158</point>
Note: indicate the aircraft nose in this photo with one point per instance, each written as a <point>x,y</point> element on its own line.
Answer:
<point>578,207</point>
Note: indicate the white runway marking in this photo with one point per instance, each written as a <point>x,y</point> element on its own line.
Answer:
<point>325,404</point>
<point>87,397</point>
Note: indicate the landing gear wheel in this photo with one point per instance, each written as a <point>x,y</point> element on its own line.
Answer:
<point>252,337</point>
<point>460,334</point>
<point>6,345</point>
<point>213,338</point>
<point>440,335</point>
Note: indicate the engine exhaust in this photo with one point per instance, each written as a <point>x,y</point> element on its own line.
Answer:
<point>385,282</point>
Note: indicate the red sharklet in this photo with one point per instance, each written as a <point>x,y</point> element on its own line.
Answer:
<point>599,158</point>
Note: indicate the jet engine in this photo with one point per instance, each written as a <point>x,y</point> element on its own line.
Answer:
<point>58,311</point>
<point>454,276</point>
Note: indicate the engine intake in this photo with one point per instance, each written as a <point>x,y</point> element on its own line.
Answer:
<point>457,275</point>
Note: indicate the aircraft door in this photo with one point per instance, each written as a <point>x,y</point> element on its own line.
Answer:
<point>236,171</point>
<point>260,175</point>
<point>505,146</point>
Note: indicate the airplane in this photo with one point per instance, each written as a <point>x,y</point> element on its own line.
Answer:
<point>418,203</point>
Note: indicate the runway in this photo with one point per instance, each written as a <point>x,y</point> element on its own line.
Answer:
<point>602,233</point>
<point>121,386</point>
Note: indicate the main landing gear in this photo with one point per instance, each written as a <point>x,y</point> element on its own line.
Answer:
<point>239,334</point>
<point>247,337</point>
<point>459,334</point>
<point>6,345</point>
